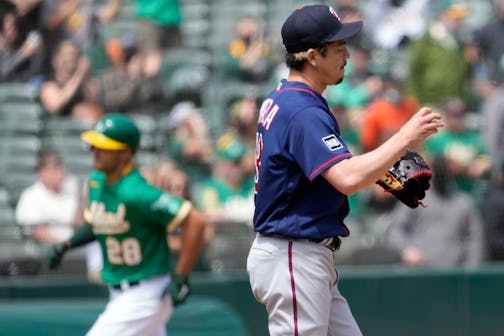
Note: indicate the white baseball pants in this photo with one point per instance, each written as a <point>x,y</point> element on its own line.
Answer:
<point>136,311</point>
<point>297,282</point>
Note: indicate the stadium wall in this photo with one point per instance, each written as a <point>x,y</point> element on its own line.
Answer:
<point>385,300</point>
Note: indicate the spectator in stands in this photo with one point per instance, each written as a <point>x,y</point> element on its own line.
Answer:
<point>189,141</point>
<point>383,117</point>
<point>70,91</point>
<point>361,84</point>
<point>348,10</point>
<point>132,84</point>
<point>179,184</point>
<point>389,110</point>
<point>159,174</point>
<point>167,176</point>
<point>49,209</point>
<point>21,51</point>
<point>243,122</point>
<point>386,115</point>
<point>447,232</point>
<point>440,64</point>
<point>159,24</point>
<point>228,195</point>
<point>493,216</point>
<point>491,46</point>
<point>393,23</point>
<point>463,147</point>
<point>243,114</point>
<point>27,11</point>
<point>248,55</point>
<point>75,20</point>
<point>492,126</point>
<point>22,7</point>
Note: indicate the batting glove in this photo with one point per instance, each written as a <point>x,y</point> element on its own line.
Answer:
<point>55,254</point>
<point>178,288</point>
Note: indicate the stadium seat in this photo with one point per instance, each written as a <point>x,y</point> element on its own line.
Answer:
<point>195,32</point>
<point>59,124</point>
<point>18,158</point>
<point>195,24</point>
<point>116,28</point>
<point>184,70</point>
<point>18,92</point>
<point>20,117</point>
<point>18,145</point>
<point>16,182</point>
<point>218,95</point>
<point>149,128</point>
<point>145,158</point>
<point>7,217</point>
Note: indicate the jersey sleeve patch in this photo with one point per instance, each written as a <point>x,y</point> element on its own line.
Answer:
<point>182,214</point>
<point>332,142</point>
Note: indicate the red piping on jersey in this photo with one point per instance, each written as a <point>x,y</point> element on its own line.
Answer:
<point>296,89</point>
<point>293,288</point>
<point>325,164</point>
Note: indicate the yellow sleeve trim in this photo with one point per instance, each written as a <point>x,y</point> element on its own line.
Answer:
<point>182,214</point>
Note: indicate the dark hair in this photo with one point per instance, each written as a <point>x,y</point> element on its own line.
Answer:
<point>45,156</point>
<point>21,31</point>
<point>296,61</point>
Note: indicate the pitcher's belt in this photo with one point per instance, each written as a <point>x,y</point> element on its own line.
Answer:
<point>332,243</point>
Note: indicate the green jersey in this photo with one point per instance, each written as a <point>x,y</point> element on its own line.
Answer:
<point>130,219</point>
<point>163,12</point>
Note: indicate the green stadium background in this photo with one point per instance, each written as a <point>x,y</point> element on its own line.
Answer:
<point>386,300</point>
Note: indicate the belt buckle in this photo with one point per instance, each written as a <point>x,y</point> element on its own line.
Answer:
<point>125,284</point>
<point>332,243</point>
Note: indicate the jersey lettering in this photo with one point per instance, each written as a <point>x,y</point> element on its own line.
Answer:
<point>105,222</point>
<point>126,252</point>
<point>258,156</point>
<point>267,113</point>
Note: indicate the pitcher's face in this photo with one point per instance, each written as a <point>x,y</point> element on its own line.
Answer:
<point>332,65</point>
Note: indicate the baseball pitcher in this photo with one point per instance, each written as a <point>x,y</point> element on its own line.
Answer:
<point>304,172</point>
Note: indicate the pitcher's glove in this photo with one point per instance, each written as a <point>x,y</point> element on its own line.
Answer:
<point>408,179</point>
<point>178,288</point>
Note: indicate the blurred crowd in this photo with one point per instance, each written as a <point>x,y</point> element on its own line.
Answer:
<point>448,55</point>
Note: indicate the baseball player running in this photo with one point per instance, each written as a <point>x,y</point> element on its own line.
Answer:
<point>304,172</point>
<point>130,219</point>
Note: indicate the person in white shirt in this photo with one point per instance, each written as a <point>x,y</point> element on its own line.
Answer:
<point>48,210</point>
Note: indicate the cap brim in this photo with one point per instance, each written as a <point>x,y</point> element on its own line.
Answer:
<point>101,141</point>
<point>347,30</point>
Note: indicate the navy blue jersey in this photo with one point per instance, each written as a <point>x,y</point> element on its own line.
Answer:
<point>297,139</point>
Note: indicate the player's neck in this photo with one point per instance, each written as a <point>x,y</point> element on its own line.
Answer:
<point>114,176</point>
<point>298,76</point>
